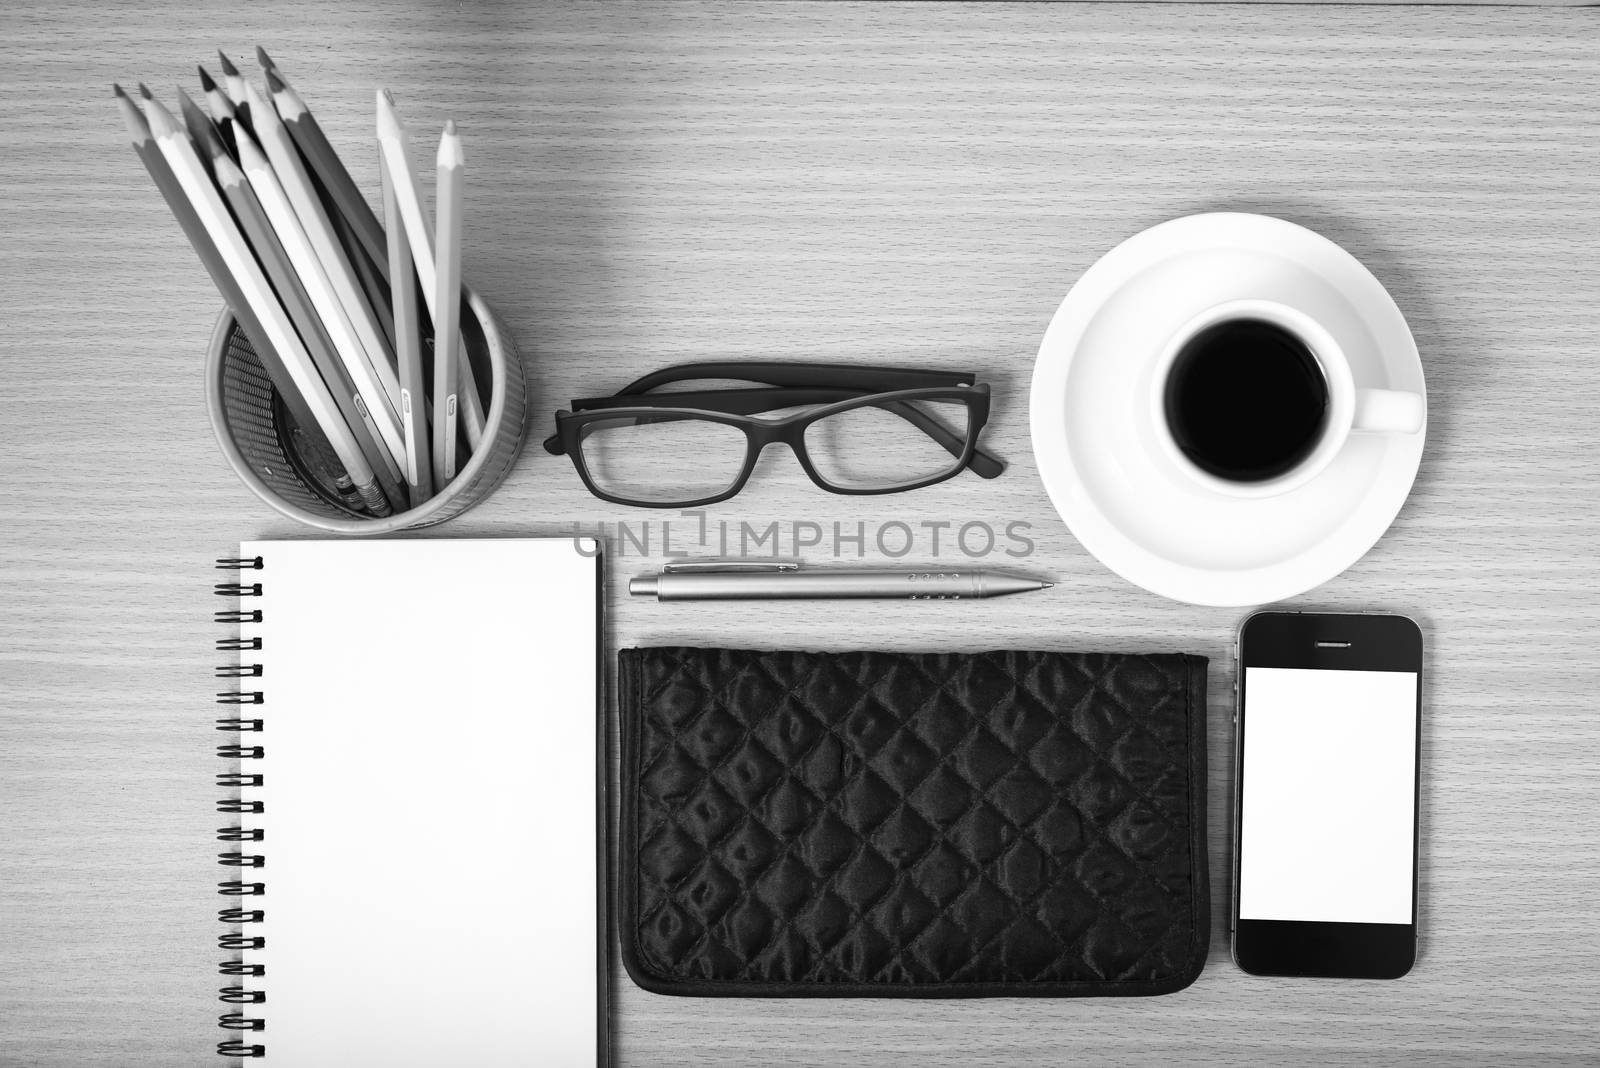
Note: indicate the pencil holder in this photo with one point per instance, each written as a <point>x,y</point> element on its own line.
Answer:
<point>258,438</point>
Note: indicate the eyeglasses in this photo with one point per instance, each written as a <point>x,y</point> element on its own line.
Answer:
<point>863,430</point>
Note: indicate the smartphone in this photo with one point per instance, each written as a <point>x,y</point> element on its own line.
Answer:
<point>1327,760</point>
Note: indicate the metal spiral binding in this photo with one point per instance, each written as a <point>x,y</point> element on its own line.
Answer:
<point>236,916</point>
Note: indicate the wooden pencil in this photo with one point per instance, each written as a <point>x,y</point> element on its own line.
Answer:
<point>408,345</point>
<point>199,208</point>
<point>234,84</point>
<point>221,109</point>
<point>394,142</point>
<point>308,267</point>
<point>202,131</point>
<point>357,228</point>
<point>281,273</point>
<point>374,286</point>
<point>326,165</point>
<point>296,183</point>
<point>447,323</point>
<point>314,445</point>
<point>217,102</point>
<point>394,145</point>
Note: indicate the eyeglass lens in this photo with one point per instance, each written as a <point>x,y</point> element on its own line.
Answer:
<point>887,445</point>
<point>658,459</point>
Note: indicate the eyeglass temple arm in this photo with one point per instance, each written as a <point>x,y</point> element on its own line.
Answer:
<point>787,373</point>
<point>751,401</point>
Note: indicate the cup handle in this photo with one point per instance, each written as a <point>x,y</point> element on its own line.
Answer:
<point>1388,410</point>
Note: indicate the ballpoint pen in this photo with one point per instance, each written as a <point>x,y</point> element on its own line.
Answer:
<point>762,580</point>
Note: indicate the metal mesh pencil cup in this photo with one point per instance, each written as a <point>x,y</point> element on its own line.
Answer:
<point>250,425</point>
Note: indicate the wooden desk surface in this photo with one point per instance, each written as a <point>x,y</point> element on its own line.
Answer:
<point>904,184</point>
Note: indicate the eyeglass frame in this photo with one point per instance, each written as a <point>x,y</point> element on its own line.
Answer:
<point>835,387</point>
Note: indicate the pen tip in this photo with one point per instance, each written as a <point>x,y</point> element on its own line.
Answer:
<point>275,84</point>
<point>1048,586</point>
<point>264,59</point>
<point>450,127</point>
<point>227,64</point>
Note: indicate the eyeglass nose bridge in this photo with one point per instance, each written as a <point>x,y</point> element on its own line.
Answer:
<point>759,436</point>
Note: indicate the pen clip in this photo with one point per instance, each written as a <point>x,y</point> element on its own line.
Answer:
<point>724,566</point>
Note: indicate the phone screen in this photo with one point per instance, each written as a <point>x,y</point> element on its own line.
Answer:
<point>1327,812</point>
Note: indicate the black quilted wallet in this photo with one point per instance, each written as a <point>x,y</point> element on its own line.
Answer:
<point>869,824</point>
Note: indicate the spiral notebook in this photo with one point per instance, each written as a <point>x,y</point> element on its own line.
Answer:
<point>415,878</point>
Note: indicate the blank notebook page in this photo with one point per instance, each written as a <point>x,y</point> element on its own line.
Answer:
<point>430,789</point>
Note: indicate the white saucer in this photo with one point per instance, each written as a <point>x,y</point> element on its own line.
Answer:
<point>1091,384</point>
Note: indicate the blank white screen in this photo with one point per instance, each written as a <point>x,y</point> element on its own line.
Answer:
<point>1328,806</point>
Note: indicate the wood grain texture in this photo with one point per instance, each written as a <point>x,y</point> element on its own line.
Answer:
<point>910,184</point>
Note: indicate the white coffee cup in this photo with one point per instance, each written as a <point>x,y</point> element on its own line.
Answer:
<point>1350,409</point>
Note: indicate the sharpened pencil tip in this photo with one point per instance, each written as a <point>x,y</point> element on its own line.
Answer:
<point>206,83</point>
<point>138,125</point>
<point>199,124</point>
<point>144,91</point>
<point>252,97</point>
<point>228,68</point>
<point>275,84</point>
<point>162,124</point>
<point>388,122</point>
<point>228,172</point>
<point>116,90</point>
<point>264,59</point>
<point>450,154</point>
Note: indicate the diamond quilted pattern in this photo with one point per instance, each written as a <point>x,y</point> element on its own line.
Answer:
<point>882,824</point>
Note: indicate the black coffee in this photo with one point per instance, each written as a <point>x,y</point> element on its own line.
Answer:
<point>1245,400</point>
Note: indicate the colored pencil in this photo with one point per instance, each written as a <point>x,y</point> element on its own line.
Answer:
<point>408,345</point>
<point>374,286</point>
<point>358,229</point>
<point>217,102</point>
<point>221,108</point>
<point>447,323</point>
<point>258,305</point>
<point>395,144</point>
<point>281,273</point>
<point>296,183</point>
<point>202,131</point>
<point>234,84</point>
<point>314,445</point>
<point>303,257</point>
<point>325,164</point>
